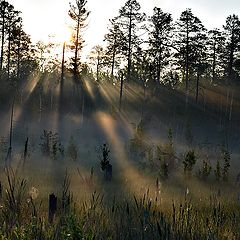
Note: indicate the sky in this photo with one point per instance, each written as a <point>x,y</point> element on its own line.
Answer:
<point>42,18</point>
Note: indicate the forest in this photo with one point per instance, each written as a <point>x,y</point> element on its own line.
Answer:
<point>139,139</point>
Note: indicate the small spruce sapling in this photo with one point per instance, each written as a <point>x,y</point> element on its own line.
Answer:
<point>51,145</point>
<point>72,150</point>
<point>189,162</point>
<point>226,164</point>
<point>170,151</point>
<point>105,163</point>
<point>218,171</point>
<point>164,170</point>
<point>206,169</point>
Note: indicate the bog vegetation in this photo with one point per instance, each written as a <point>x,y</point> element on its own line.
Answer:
<point>140,141</point>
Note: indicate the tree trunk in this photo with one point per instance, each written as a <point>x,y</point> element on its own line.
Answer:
<point>187,67</point>
<point>197,87</point>
<point>75,64</point>
<point>98,64</point>
<point>129,49</point>
<point>214,61</point>
<point>62,81</point>
<point>113,58</point>
<point>18,57</point>
<point>9,53</point>
<point>9,154</point>
<point>230,66</point>
<point>159,66</point>
<point>3,36</point>
<point>121,93</point>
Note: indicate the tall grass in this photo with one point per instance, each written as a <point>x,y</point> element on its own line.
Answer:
<point>99,217</point>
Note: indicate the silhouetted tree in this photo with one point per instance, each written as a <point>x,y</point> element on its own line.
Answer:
<point>216,52</point>
<point>12,20</point>
<point>3,14</point>
<point>232,28</point>
<point>187,27</point>
<point>21,50</point>
<point>159,41</point>
<point>189,162</point>
<point>199,58</point>
<point>97,57</point>
<point>128,19</point>
<point>116,42</point>
<point>79,15</point>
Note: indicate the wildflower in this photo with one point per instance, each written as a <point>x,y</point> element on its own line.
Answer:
<point>33,192</point>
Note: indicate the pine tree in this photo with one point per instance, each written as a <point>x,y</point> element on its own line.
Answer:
<point>159,41</point>
<point>116,43</point>
<point>188,27</point>
<point>232,29</point>
<point>3,15</point>
<point>216,53</point>
<point>79,15</point>
<point>97,57</point>
<point>226,164</point>
<point>128,20</point>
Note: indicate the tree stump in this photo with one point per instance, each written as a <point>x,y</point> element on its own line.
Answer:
<point>52,207</point>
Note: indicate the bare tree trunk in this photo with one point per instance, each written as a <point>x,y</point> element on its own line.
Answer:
<point>113,58</point>
<point>230,66</point>
<point>197,87</point>
<point>231,107</point>
<point>121,93</point>
<point>62,81</point>
<point>214,62</point>
<point>187,67</point>
<point>9,53</point>
<point>3,35</point>
<point>76,51</point>
<point>129,66</point>
<point>9,154</point>
<point>83,104</point>
<point>98,64</point>
<point>159,66</point>
<point>18,57</point>
<point>40,107</point>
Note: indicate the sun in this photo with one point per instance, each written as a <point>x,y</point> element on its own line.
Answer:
<point>62,34</point>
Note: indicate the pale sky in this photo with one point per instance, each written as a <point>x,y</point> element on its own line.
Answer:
<point>44,17</point>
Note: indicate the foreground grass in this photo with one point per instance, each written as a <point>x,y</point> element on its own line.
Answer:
<point>98,217</point>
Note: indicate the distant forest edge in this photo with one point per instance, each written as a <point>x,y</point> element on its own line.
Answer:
<point>147,50</point>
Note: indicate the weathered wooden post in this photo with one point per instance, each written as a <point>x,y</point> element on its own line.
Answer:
<point>52,207</point>
<point>25,149</point>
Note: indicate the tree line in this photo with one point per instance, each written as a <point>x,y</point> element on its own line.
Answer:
<point>150,50</point>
